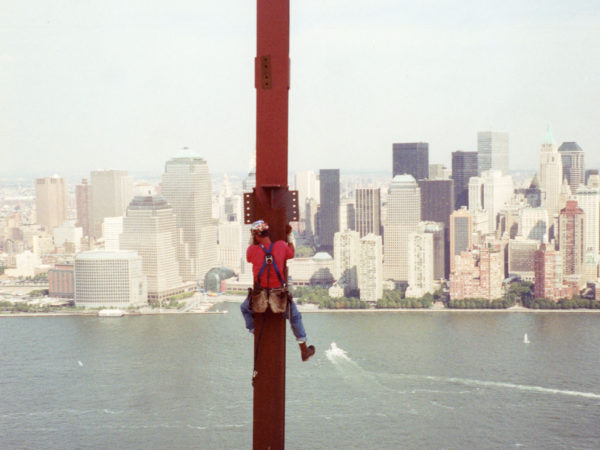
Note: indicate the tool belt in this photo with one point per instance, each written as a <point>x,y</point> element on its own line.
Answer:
<point>275,298</point>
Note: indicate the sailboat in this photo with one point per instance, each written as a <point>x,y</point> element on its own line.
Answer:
<point>526,339</point>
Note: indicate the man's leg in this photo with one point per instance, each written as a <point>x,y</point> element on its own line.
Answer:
<point>296,323</point>
<point>247,313</point>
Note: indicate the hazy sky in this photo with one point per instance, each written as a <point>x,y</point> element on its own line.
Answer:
<point>86,85</point>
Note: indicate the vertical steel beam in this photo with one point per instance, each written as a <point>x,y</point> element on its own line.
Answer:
<point>272,75</point>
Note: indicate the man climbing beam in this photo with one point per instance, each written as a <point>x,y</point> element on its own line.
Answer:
<point>270,289</point>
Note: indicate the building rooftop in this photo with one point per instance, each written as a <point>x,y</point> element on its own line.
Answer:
<point>404,178</point>
<point>569,147</point>
<point>322,256</point>
<point>152,202</point>
<point>93,255</point>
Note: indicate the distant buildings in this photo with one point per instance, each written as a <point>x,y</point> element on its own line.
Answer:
<point>490,193</point>
<point>571,227</point>
<point>478,274</point>
<point>186,186</point>
<point>420,264</point>
<point>61,281</point>
<point>370,277</point>
<point>109,279</point>
<point>51,201</point>
<point>368,211</point>
<point>461,234</point>
<point>464,166</point>
<point>346,261</point>
<point>149,228</point>
<point>83,201</point>
<point>588,199</point>
<point>112,190</point>
<point>551,175</point>
<point>329,220</point>
<point>412,159</point>
<point>403,217</point>
<point>573,164</point>
<point>492,152</point>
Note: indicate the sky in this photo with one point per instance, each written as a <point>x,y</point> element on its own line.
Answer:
<point>125,85</point>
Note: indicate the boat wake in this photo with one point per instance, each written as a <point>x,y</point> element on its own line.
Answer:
<point>340,359</point>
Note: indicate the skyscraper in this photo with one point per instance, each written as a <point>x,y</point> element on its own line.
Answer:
<point>490,193</point>
<point>187,188</point>
<point>411,158</point>
<point>347,259</point>
<point>368,211</point>
<point>534,224</point>
<point>149,228</point>
<point>464,166</point>
<point>571,223</point>
<point>112,190</point>
<point>492,151</point>
<point>588,199</point>
<point>440,248</point>
<point>403,217</point>
<point>551,175</point>
<point>461,234</point>
<point>347,214</point>
<point>50,201</point>
<point>420,264</point>
<point>370,277</point>
<point>573,164</point>
<point>329,219</point>
<point>307,185</point>
<point>83,202</point>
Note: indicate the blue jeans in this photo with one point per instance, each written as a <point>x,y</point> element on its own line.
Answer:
<point>295,319</point>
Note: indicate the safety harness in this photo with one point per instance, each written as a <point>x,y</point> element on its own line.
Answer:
<point>269,260</point>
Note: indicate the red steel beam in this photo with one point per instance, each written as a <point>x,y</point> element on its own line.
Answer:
<point>272,75</point>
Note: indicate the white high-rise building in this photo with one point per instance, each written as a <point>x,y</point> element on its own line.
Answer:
<point>551,175</point>
<point>403,217</point>
<point>370,276</point>
<point>490,193</point>
<point>149,228</point>
<point>307,185</point>
<point>346,248</point>
<point>112,190</point>
<point>420,264</point>
<point>66,234</point>
<point>533,224</point>
<point>50,202</point>
<point>109,279</point>
<point>187,188</point>
<point>112,227</point>
<point>492,152</point>
<point>230,246</point>
<point>347,214</point>
<point>588,199</point>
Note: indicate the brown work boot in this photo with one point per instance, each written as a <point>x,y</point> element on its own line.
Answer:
<point>306,351</point>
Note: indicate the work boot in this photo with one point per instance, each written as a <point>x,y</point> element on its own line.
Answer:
<point>306,351</point>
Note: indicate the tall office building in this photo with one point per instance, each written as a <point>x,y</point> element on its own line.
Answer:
<point>346,248</point>
<point>307,185</point>
<point>149,228</point>
<point>521,256</point>
<point>588,199</point>
<point>187,188</point>
<point>571,226</point>
<point>403,217</point>
<point>573,164</point>
<point>420,264</point>
<point>112,227</point>
<point>545,272</point>
<point>112,190</point>
<point>113,279</point>
<point>83,202</point>
<point>329,219</point>
<point>370,278</point>
<point>437,203</point>
<point>411,158</point>
<point>50,201</point>
<point>492,152</point>
<point>551,175</point>
<point>347,214</point>
<point>490,193</point>
<point>368,211</point>
<point>461,234</point>
<point>533,224</point>
<point>440,247</point>
<point>230,245</point>
<point>464,166</point>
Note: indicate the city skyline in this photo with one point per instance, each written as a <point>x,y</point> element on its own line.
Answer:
<point>126,86</point>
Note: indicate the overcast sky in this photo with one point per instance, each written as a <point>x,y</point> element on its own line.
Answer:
<point>86,85</point>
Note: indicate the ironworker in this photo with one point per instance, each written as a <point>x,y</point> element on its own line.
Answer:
<point>268,262</point>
